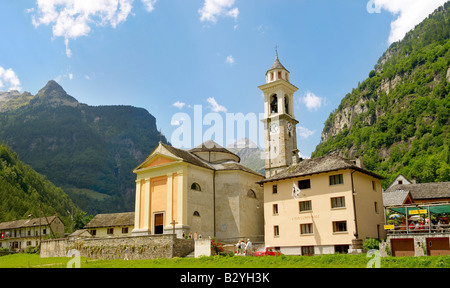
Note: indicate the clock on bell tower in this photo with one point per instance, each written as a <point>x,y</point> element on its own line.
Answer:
<point>280,135</point>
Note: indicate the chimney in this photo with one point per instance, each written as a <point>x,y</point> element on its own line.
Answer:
<point>413,179</point>
<point>359,162</point>
<point>295,158</point>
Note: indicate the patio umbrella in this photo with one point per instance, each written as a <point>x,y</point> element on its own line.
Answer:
<point>393,216</point>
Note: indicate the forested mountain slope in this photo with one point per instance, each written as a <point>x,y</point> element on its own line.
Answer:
<point>23,190</point>
<point>397,120</point>
<point>88,151</point>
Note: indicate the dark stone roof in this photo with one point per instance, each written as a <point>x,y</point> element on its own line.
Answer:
<point>191,158</point>
<point>30,222</point>
<point>423,191</point>
<point>187,156</point>
<point>394,198</point>
<point>277,65</point>
<point>211,146</point>
<point>111,220</point>
<point>319,165</point>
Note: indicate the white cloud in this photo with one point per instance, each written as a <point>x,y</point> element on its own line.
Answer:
<point>70,76</point>
<point>409,12</point>
<point>149,4</point>
<point>214,8</point>
<point>312,101</point>
<point>179,104</point>
<point>304,132</point>
<point>215,107</point>
<point>9,79</point>
<point>73,18</point>
<point>230,60</point>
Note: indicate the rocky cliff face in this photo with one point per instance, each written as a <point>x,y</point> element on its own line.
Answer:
<point>398,119</point>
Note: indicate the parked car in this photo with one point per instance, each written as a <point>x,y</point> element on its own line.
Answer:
<point>267,251</point>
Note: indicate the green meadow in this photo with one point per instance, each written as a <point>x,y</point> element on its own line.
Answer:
<point>320,261</point>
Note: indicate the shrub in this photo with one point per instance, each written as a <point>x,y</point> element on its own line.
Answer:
<point>371,244</point>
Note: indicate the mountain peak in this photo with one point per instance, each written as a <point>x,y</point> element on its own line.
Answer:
<point>52,89</point>
<point>56,95</point>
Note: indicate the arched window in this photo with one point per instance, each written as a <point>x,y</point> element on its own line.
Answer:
<point>274,104</point>
<point>251,194</point>
<point>196,187</point>
<point>286,104</point>
<point>196,214</point>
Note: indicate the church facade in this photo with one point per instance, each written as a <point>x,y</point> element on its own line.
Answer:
<point>203,191</point>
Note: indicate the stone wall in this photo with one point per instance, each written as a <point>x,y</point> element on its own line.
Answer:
<point>139,247</point>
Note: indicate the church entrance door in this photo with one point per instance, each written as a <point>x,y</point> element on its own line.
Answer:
<point>159,223</point>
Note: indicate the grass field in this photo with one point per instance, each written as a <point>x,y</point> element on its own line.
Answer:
<point>322,261</point>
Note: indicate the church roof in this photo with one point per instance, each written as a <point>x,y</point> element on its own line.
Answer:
<point>277,65</point>
<point>209,146</point>
<point>318,165</point>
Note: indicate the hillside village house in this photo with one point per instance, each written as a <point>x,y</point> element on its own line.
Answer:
<point>17,235</point>
<point>203,191</point>
<point>417,217</point>
<point>314,206</point>
<point>111,225</point>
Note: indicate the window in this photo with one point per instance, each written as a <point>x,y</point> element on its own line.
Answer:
<point>308,250</point>
<point>304,184</point>
<point>124,230</point>
<point>279,74</point>
<point>93,232</point>
<point>276,231</point>
<point>305,206</point>
<point>374,186</point>
<point>336,179</point>
<point>275,209</point>
<point>340,226</point>
<point>196,214</point>
<point>196,187</point>
<point>274,104</point>
<point>306,229</point>
<point>110,231</point>
<point>376,207</point>
<point>251,194</point>
<point>274,189</point>
<point>338,202</point>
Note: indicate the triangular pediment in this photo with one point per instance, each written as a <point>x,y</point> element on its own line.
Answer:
<point>159,157</point>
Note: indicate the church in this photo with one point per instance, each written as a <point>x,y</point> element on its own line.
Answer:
<point>301,207</point>
<point>203,191</point>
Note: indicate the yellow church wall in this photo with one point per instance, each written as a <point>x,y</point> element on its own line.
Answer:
<point>237,215</point>
<point>200,201</point>
<point>159,190</point>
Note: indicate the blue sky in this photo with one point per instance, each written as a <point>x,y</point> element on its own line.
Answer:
<point>168,55</point>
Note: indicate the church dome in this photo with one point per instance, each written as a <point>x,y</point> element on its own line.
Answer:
<point>212,152</point>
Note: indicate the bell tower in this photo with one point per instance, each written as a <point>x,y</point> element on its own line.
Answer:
<point>280,134</point>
